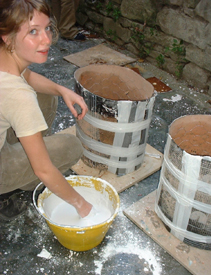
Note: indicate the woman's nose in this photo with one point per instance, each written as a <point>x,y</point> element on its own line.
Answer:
<point>46,37</point>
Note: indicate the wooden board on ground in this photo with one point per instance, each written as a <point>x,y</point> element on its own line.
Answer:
<point>99,54</point>
<point>158,85</point>
<point>196,261</point>
<point>151,164</point>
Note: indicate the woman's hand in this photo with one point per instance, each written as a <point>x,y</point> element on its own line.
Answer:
<point>84,210</point>
<point>71,98</point>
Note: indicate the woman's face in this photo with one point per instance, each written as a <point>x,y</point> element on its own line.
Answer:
<point>33,40</point>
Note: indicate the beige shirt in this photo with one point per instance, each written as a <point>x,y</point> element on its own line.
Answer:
<point>19,108</point>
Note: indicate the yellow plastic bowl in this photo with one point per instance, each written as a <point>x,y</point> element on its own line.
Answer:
<point>80,238</point>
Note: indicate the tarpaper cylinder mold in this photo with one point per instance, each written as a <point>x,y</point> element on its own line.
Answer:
<point>114,132</point>
<point>183,200</point>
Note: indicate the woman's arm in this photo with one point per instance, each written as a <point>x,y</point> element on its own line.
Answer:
<point>43,85</point>
<point>36,151</point>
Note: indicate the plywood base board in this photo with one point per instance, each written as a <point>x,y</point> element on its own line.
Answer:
<point>99,54</point>
<point>151,164</point>
<point>196,261</point>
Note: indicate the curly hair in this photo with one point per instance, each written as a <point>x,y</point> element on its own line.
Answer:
<point>13,13</point>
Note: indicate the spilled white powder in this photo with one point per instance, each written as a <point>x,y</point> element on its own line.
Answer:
<point>44,254</point>
<point>14,235</point>
<point>124,241</point>
<point>111,250</point>
<point>63,213</point>
<point>174,98</point>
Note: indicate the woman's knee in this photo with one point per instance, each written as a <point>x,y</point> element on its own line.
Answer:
<point>64,149</point>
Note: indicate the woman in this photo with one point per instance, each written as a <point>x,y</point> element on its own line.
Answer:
<point>26,33</point>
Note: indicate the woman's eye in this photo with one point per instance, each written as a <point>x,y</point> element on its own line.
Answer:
<point>33,31</point>
<point>48,28</point>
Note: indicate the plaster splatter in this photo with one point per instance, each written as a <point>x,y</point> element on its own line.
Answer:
<point>44,254</point>
<point>173,98</point>
<point>151,263</point>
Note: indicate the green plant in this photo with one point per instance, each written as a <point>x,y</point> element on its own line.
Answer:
<point>116,14</point>
<point>153,31</point>
<point>112,34</point>
<point>99,5</point>
<point>178,48</point>
<point>109,7</point>
<point>139,37</point>
<point>109,32</point>
<point>179,69</point>
<point>160,60</point>
<point>114,11</point>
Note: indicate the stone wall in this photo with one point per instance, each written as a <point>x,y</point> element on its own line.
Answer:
<point>174,35</point>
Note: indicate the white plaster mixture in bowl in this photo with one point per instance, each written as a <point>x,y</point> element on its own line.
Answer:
<point>62,213</point>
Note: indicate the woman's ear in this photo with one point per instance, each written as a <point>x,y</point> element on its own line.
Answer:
<point>8,42</point>
<point>6,39</point>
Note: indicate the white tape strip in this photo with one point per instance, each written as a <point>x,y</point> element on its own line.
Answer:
<point>191,169</point>
<point>117,127</point>
<point>139,116</point>
<point>150,105</point>
<point>108,162</point>
<point>107,148</point>
<point>124,109</point>
<point>149,109</point>
<point>181,233</point>
<point>166,151</point>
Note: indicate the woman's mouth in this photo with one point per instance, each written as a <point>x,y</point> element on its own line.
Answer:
<point>44,52</point>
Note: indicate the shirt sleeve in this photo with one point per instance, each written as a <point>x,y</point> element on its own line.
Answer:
<point>24,114</point>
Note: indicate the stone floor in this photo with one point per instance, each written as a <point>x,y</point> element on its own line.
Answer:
<point>126,250</point>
